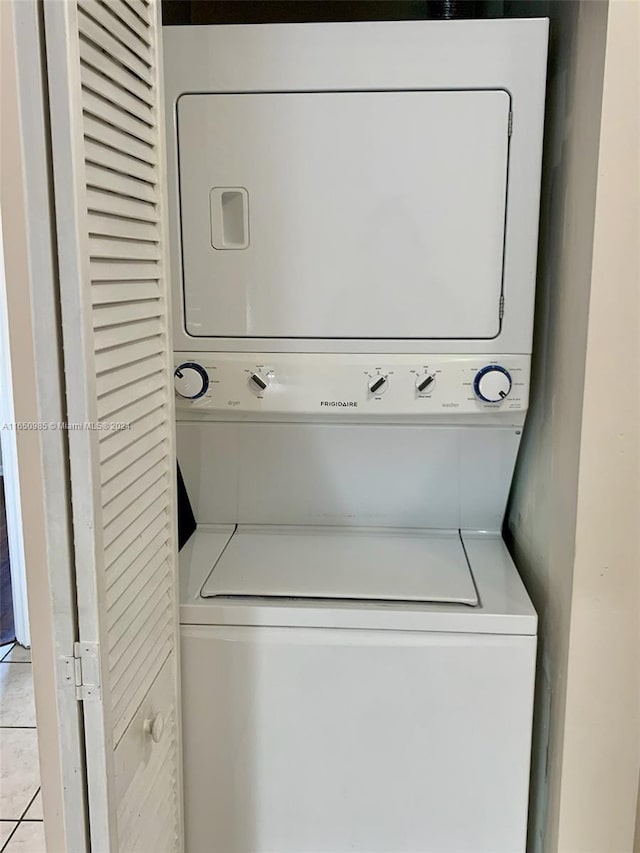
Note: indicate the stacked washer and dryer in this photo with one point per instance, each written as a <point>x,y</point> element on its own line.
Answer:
<point>354,213</point>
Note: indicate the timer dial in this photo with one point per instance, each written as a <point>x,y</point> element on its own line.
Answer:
<point>191,380</point>
<point>492,384</point>
<point>378,385</point>
<point>259,382</point>
<point>424,383</point>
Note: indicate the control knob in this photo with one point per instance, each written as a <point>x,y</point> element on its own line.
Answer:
<point>492,384</point>
<point>259,382</point>
<point>191,380</point>
<point>378,385</point>
<point>424,383</point>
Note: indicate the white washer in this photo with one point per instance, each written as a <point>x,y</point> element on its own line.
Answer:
<point>335,724</point>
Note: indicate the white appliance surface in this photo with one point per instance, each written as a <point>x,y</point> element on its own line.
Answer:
<point>503,604</point>
<point>358,650</point>
<point>335,563</point>
<point>369,214</point>
<point>326,385</point>
<point>409,734</point>
<point>355,187</point>
<point>427,477</point>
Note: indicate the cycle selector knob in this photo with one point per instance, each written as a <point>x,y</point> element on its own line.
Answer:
<point>378,385</point>
<point>492,384</point>
<point>259,382</point>
<point>425,382</point>
<point>191,380</point>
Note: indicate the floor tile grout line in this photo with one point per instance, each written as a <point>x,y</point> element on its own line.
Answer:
<point>21,818</point>
<point>19,727</point>
<point>30,803</point>
<point>11,834</point>
<point>3,657</point>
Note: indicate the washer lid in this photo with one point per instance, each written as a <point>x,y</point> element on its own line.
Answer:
<point>331,563</point>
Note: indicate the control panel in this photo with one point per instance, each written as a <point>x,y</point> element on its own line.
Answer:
<point>353,386</point>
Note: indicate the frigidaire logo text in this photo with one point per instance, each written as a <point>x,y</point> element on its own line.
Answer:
<point>347,403</point>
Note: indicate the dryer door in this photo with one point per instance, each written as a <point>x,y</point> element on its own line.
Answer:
<point>343,214</point>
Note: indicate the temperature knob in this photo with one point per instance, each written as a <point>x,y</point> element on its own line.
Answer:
<point>492,384</point>
<point>424,383</point>
<point>191,380</point>
<point>378,384</point>
<point>259,382</point>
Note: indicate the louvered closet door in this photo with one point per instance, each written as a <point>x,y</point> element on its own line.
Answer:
<point>103,63</point>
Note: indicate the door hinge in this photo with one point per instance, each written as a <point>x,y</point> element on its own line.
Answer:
<point>501,308</point>
<point>510,124</point>
<point>82,671</point>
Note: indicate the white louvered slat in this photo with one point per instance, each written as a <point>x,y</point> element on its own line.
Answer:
<point>102,38</point>
<point>135,834</point>
<point>130,536</point>
<point>124,13</point>
<point>119,97</point>
<point>130,82</point>
<point>158,820</point>
<point>115,336</point>
<point>117,442</point>
<point>137,633</point>
<point>119,592</point>
<point>112,406</point>
<point>164,837</point>
<point>98,107</point>
<point>161,827</point>
<point>118,464</point>
<point>122,376</point>
<point>102,155</point>
<point>119,429</point>
<point>119,586</point>
<point>140,8</point>
<point>125,270</point>
<point>128,699</point>
<point>108,248</point>
<point>154,532</point>
<point>142,826</point>
<point>108,166</point>
<point>112,359</point>
<point>105,316</point>
<point>104,17</point>
<point>161,823</point>
<point>154,490</point>
<point>105,134</point>
<point>120,226</point>
<point>117,490</point>
<point>111,181</point>
<point>116,205</point>
<point>119,596</point>
<point>112,292</point>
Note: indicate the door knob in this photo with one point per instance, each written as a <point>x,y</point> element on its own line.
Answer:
<point>154,727</point>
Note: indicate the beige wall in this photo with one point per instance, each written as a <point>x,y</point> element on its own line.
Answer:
<point>602,723</point>
<point>570,522</point>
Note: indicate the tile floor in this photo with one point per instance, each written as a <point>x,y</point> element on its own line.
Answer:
<point>21,828</point>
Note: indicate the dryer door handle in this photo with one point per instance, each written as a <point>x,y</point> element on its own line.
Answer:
<point>229,209</point>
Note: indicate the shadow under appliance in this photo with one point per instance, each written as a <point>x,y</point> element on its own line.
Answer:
<point>354,215</point>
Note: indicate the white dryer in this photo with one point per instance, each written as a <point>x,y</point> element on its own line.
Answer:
<point>354,226</point>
